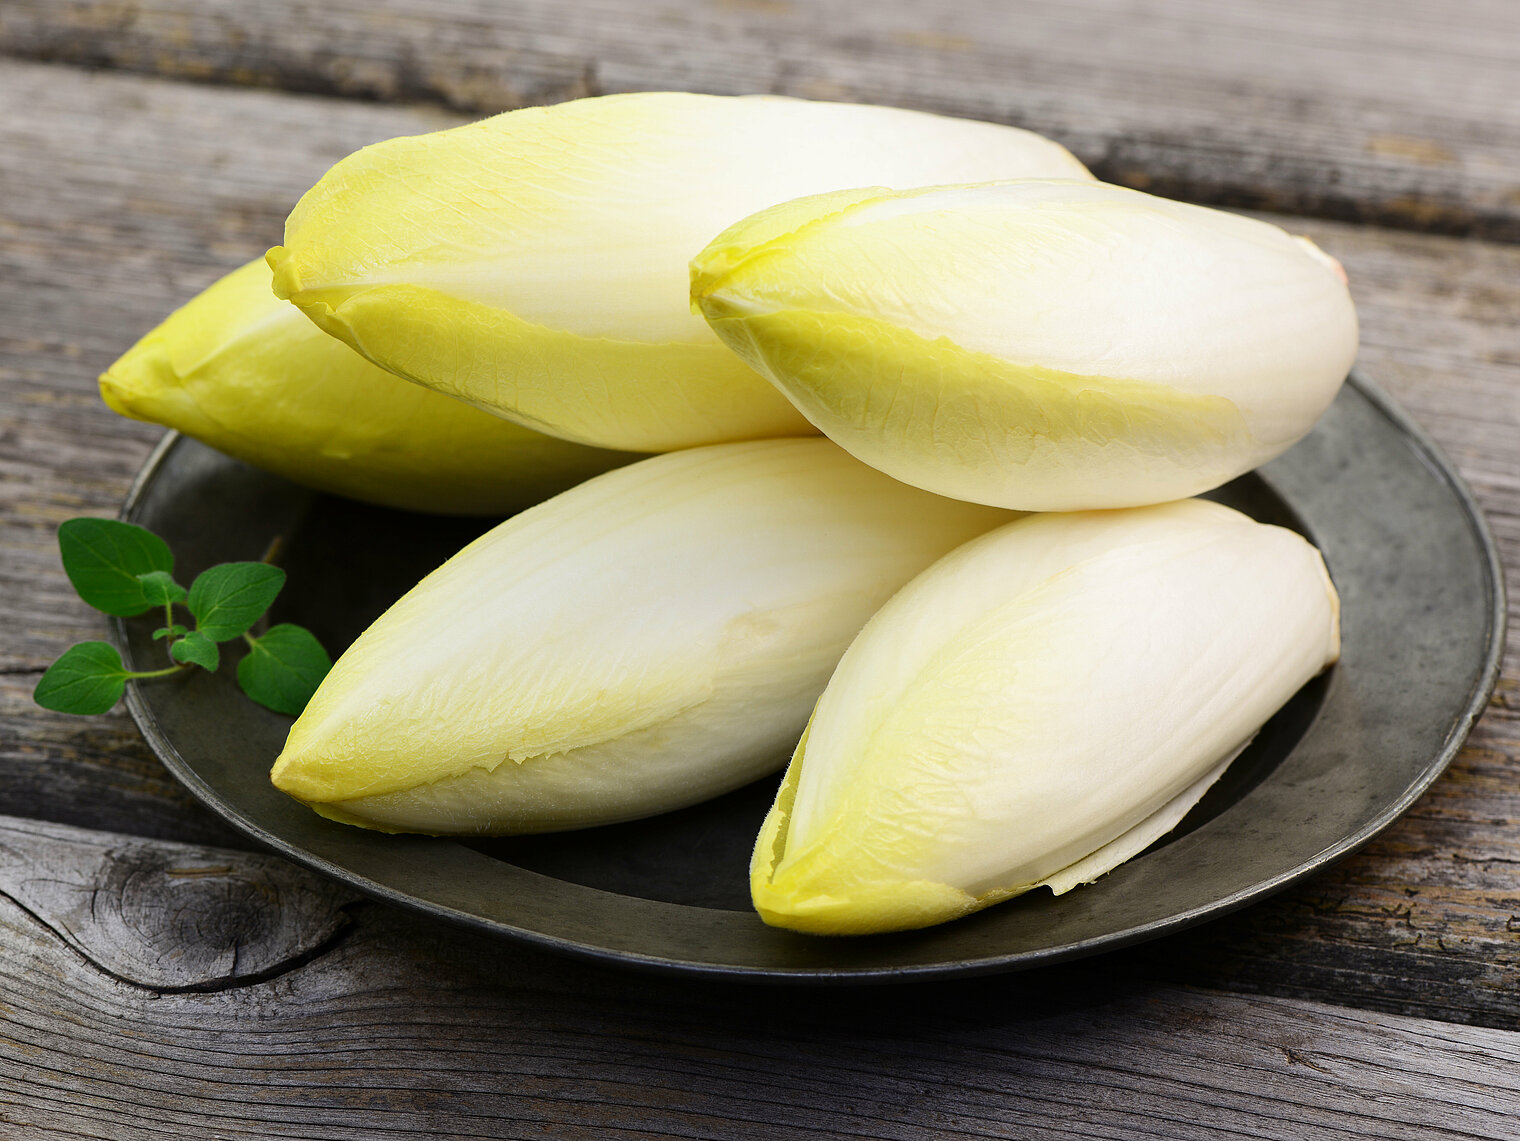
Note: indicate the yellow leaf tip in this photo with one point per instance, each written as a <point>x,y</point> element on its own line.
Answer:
<point>286,282</point>
<point>873,909</point>
<point>115,391</point>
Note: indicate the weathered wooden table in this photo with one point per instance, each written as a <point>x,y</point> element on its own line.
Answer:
<point>159,979</point>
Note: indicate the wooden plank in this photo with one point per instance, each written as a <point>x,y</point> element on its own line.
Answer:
<point>390,1027</point>
<point>100,244</point>
<point>1405,113</point>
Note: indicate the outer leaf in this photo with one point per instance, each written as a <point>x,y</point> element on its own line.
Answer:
<point>527,260</point>
<point>283,668</point>
<point>103,558</point>
<point>88,679</point>
<point>1036,708</point>
<point>647,640</point>
<point>946,336</point>
<point>160,589</point>
<point>175,631</point>
<point>248,374</point>
<point>196,649</point>
<point>226,600</point>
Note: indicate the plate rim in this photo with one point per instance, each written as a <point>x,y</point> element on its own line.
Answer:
<point>1425,448</point>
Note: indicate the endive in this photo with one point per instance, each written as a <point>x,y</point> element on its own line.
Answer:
<point>534,263</point>
<point>246,373</point>
<point>1036,708</point>
<point>1048,345</point>
<point>649,639</point>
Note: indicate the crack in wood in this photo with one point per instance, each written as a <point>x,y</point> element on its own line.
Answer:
<point>1484,860</point>
<point>1295,1058</point>
<point>218,870</point>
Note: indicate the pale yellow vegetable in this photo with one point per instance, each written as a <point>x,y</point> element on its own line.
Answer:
<point>645,641</point>
<point>1048,345</point>
<point>246,373</point>
<point>1036,708</point>
<point>535,263</point>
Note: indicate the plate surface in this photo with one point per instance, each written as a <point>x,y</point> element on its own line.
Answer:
<point>1422,625</point>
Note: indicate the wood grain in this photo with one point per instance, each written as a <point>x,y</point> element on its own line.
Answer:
<point>1401,112</point>
<point>130,193</point>
<point>389,1027</point>
<point>166,916</point>
<point>95,772</point>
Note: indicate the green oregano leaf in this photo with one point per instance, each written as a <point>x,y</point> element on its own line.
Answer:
<point>175,631</point>
<point>160,589</point>
<point>226,600</point>
<point>103,559</point>
<point>88,678</point>
<point>283,668</point>
<point>198,649</point>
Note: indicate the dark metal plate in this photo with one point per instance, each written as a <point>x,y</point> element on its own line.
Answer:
<point>1423,621</point>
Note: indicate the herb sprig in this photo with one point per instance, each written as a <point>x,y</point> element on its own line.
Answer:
<point>126,570</point>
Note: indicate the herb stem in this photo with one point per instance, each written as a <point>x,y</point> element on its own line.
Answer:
<point>174,669</point>
<point>275,549</point>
